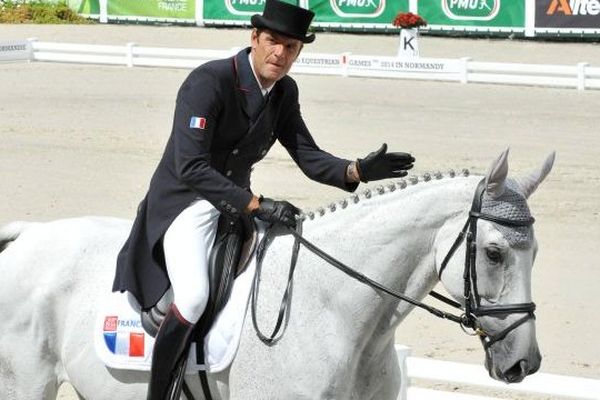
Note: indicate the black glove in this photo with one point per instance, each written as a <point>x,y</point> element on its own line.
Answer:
<point>276,212</point>
<point>381,165</point>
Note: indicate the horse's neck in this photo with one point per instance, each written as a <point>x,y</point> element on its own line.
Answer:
<point>389,237</point>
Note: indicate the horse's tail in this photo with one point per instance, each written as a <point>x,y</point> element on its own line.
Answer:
<point>10,232</point>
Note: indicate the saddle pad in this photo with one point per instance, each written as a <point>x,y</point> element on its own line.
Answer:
<point>121,342</point>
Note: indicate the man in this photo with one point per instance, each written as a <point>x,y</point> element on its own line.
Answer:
<point>228,114</point>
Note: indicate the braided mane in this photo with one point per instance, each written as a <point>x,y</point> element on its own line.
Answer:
<point>380,190</point>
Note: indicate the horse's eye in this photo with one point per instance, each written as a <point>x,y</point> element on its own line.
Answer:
<point>493,255</point>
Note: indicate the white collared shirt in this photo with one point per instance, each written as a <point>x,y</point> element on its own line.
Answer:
<point>264,91</point>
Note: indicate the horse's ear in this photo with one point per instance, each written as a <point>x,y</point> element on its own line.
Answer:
<point>530,182</point>
<point>496,176</point>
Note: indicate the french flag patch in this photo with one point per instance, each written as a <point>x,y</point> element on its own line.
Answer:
<point>124,341</point>
<point>198,122</point>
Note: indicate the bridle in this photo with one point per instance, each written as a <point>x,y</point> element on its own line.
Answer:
<point>472,308</point>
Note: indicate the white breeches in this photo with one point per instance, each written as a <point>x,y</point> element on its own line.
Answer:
<point>187,245</point>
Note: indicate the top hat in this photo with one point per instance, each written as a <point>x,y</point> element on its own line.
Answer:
<point>285,18</point>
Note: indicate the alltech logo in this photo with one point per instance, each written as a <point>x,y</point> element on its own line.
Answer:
<point>574,7</point>
<point>471,10</point>
<point>567,14</point>
<point>245,7</point>
<point>358,8</point>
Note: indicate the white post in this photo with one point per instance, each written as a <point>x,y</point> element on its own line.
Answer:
<point>199,13</point>
<point>464,76</point>
<point>530,18</point>
<point>403,352</point>
<point>103,11</point>
<point>129,55</point>
<point>581,75</point>
<point>31,51</point>
<point>344,57</point>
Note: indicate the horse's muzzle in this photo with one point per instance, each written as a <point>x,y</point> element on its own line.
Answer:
<point>518,371</point>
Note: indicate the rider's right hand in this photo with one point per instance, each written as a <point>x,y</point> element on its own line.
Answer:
<point>383,165</point>
<point>275,211</point>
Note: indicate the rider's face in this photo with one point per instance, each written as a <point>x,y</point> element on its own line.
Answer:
<point>273,55</point>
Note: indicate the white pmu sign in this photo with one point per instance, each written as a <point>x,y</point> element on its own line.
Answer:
<point>17,50</point>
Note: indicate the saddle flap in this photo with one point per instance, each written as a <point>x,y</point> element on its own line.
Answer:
<point>233,248</point>
<point>248,249</point>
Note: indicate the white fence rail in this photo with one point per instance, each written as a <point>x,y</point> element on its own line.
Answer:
<point>476,375</point>
<point>580,76</point>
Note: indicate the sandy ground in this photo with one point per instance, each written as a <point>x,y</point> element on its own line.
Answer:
<point>84,140</point>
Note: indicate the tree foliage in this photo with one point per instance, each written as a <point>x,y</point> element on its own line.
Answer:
<point>38,12</point>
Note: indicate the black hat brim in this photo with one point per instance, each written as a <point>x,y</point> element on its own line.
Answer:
<point>258,21</point>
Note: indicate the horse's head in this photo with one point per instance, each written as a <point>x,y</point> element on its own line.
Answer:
<point>493,280</point>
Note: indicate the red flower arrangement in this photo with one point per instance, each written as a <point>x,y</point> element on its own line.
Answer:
<point>408,21</point>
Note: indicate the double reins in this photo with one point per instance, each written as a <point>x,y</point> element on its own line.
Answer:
<point>472,308</point>
<point>286,299</point>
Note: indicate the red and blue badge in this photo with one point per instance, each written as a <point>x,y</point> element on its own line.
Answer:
<point>198,122</point>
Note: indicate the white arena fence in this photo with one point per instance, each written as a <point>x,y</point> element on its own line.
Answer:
<point>436,371</point>
<point>580,76</point>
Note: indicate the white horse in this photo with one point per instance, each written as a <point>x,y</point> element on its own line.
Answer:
<point>339,342</point>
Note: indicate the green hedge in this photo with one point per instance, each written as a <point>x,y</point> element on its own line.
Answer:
<point>38,12</point>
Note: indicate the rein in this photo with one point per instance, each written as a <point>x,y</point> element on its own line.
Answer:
<point>472,308</point>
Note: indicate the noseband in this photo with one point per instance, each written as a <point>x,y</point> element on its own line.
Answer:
<point>472,308</point>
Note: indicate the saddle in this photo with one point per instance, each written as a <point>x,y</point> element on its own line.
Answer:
<point>233,248</point>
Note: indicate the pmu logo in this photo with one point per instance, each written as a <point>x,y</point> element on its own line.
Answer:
<point>472,10</point>
<point>245,7</point>
<point>358,8</point>
<point>574,7</point>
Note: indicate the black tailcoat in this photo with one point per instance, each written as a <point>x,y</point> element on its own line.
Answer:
<point>233,128</point>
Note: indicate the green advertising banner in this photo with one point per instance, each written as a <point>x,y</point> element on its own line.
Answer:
<point>234,10</point>
<point>340,12</point>
<point>88,7</point>
<point>155,9</point>
<point>474,13</point>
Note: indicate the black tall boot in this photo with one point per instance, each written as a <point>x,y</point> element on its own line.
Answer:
<point>170,343</point>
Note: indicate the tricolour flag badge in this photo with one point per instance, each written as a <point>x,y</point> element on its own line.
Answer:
<point>198,122</point>
<point>123,337</point>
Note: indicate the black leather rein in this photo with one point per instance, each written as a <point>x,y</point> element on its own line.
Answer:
<point>472,308</point>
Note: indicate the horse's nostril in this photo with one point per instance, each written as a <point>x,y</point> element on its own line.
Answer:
<point>517,372</point>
